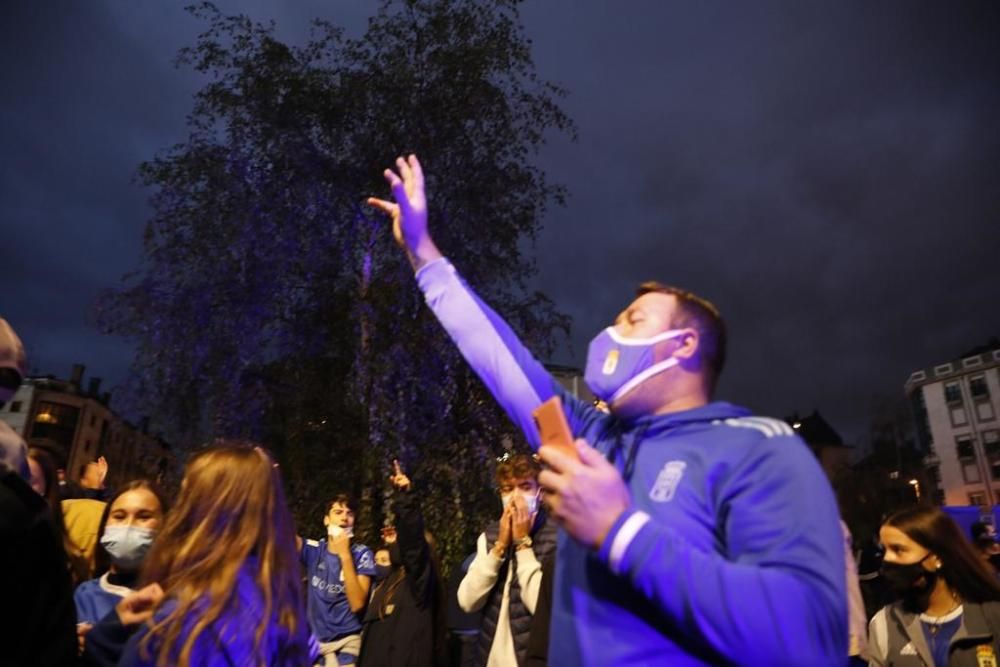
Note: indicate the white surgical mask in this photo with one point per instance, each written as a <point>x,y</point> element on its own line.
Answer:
<point>337,531</point>
<point>530,500</point>
<point>127,545</point>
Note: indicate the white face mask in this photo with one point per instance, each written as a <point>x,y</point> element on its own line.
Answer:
<point>127,545</point>
<point>336,531</point>
<point>530,500</point>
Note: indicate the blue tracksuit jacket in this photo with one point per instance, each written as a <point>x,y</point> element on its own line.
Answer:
<point>731,551</point>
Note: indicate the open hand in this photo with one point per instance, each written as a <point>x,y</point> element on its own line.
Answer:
<point>520,518</point>
<point>409,212</point>
<point>503,539</point>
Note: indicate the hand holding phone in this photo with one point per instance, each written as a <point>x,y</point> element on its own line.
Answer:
<point>553,429</point>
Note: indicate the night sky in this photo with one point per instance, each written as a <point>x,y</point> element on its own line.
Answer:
<point>827,173</point>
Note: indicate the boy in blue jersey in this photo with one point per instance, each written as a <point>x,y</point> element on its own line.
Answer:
<point>339,576</point>
<point>694,533</point>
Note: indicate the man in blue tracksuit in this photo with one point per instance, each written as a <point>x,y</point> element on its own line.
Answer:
<point>694,533</point>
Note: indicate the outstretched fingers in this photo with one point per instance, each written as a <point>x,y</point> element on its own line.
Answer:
<point>382,205</point>
<point>417,171</point>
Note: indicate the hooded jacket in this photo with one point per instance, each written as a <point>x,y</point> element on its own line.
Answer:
<point>731,551</point>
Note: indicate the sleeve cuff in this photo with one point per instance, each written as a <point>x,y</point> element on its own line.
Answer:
<point>429,267</point>
<point>620,537</point>
<point>526,556</point>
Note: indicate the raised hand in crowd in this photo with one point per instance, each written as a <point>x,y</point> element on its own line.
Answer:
<point>504,537</point>
<point>409,213</point>
<point>398,477</point>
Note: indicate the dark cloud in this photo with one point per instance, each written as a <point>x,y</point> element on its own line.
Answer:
<point>824,171</point>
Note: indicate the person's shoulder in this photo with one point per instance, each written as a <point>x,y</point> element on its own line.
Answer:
<point>766,437</point>
<point>756,427</point>
<point>364,559</point>
<point>88,587</point>
<point>82,509</point>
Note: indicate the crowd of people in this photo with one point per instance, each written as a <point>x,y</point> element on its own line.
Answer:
<point>675,530</point>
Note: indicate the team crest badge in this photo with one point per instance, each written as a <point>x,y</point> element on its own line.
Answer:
<point>985,656</point>
<point>666,482</point>
<point>610,362</point>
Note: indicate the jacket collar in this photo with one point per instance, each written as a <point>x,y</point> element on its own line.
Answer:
<point>974,626</point>
<point>716,410</point>
<point>914,632</point>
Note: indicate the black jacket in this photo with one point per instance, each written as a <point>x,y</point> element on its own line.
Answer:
<point>404,624</point>
<point>37,617</point>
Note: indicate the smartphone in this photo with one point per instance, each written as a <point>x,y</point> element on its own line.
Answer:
<point>552,426</point>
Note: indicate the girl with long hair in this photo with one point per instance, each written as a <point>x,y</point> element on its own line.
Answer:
<point>948,614</point>
<point>228,567</point>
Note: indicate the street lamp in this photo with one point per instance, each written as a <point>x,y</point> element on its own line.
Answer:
<point>916,488</point>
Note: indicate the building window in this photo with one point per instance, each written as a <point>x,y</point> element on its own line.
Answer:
<point>939,497</point>
<point>57,422</point>
<point>977,498</point>
<point>958,416</point>
<point>984,410</point>
<point>972,362</point>
<point>953,392</point>
<point>943,369</point>
<point>15,406</point>
<point>978,388</point>
<point>963,444</point>
<point>970,473</point>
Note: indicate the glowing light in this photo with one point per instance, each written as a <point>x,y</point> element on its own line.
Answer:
<point>46,418</point>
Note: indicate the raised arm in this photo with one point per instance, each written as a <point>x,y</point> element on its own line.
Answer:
<point>413,547</point>
<point>514,377</point>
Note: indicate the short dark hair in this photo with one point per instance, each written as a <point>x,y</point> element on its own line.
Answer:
<point>701,315</point>
<point>345,499</point>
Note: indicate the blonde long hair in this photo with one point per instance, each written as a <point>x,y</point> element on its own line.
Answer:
<point>231,508</point>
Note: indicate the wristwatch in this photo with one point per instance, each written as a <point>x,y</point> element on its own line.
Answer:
<point>524,542</point>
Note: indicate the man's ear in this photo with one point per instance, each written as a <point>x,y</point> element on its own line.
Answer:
<point>326,520</point>
<point>688,343</point>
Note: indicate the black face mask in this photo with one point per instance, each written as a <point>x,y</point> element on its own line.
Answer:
<point>912,582</point>
<point>382,571</point>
